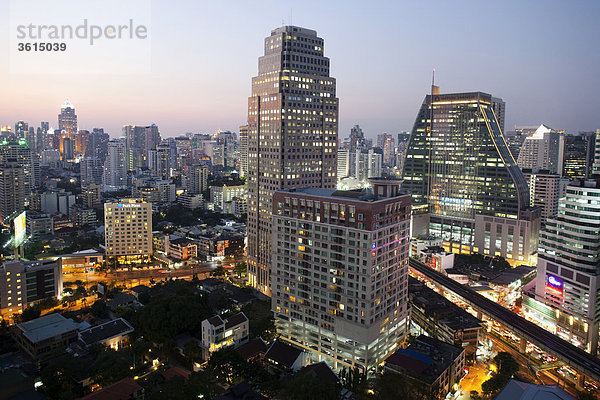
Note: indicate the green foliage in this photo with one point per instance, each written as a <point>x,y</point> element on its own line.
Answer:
<point>262,322</point>
<point>218,272</point>
<point>29,313</point>
<point>228,366</point>
<point>111,366</point>
<point>57,378</point>
<point>355,381</point>
<point>99,309</point>
<point>33,249</point>
<point>392,386</point>
<point>240,269</point>
<point>500,263</point>
<point>167,315</point>
<point>507,366</point>
<point>304,386</point>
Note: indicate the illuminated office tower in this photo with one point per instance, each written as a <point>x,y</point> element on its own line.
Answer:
<point>579,155</point>
<point>21,130</point>
<point>128,234</point>
<point>567,300</point>
<point>115,167</point>
<point>466,187</point>
<point>244,150</point>
<point>340,272</point>
<point>292,133</point>
<point>385,142</point>
<point>542,150</point>
<point>67,119</point>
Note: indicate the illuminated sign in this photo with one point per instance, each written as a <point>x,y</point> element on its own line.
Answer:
<point>554,285</point>
<point>20,229</point>
<point>119,205</point>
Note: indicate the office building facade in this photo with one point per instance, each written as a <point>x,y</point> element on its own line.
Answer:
<point>292,133</point>
<point>115,166</point>
<point>457,167</point>
<point>543,150</point>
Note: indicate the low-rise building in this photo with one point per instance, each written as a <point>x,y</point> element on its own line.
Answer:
<point>125,389</point>
<point>82,216</point>
<point>113,334</point>
<point>39,225</point>
<point>25,282</point>
<point>219,195</point>
<point>43,337</point>
<point>285,357</point>
<point>440,318</point>
<point>432,363</point>
<point>218,333</point>
<point>181,248</point>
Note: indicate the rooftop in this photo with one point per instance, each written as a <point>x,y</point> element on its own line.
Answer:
<point>49,326</point>
<point>516,390</point>
<point>283,354</point>
<point>105,331</point>
<point>121,390</point>
<point>426,359</point>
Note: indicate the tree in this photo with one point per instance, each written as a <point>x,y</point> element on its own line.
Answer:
<point>240,269</point>
<point>507,366</point>
<point>30,313</point>
<point>303,386</point>
<point>354,380</point>
<point>218,272</point>
<point>228,366</point>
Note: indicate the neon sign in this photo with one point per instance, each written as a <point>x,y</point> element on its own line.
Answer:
<point>554,285</point>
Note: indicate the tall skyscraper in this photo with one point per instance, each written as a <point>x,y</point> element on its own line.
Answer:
<point>385,142</point>
<point>115,167</point>
<point>159,161</point>
<point>91,171</point>
<point>140,139</point>
<point>357,140</point>
<point>21,129</point>
<point>292,133</point>
<point>545,189</point>
<point>244,150</point>
<point>460,173</point>
<point>579,155</point>
<point>543,150</point>
<point>340,272</point>
<point>67,119</point>
<point>197,179</point>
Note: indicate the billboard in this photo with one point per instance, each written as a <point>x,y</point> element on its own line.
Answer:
<point>554,285</point>
<point>20,229</point>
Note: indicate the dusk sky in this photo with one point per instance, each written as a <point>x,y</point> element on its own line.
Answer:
<point>541,57</point>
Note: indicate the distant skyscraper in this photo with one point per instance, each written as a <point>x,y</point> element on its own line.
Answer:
<point>357,139</point>
<point>91,171</point>
<point>343,163</point>
<point>97,144</point>
<point>542,150</point>
<point>244,150</point>
<point>140,139</point>
<point>386,143</point>
<point>159,161</point>
<point>499,107</point>
<point>353,313</point>
<point>21,129</point>
<point>460,174</point>
<point>292,133</point>
<point>115,169</point>
<point>67,119</point>
<point>68,148</point>
<point>545,189</point>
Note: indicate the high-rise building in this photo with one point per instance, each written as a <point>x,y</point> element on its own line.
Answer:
<point>67,119</point>
<point>159,160</point>
<point>292,133</point>
<point>21,130</point>
<point>343,163</point>
<point>357,140</point>
<point>97,144</point>
<point>197,179</point>
<point>579,155</point>
<point>244,150</point>
<point>340,272</point>
<point>12,190</point>
<point>91,171</point>
<point>128,234</point>
<point>19,152</point>
<point>115,167</point>
<point>542,150</point>
<point>545,189</point>
<point>460,171</point>
<point>139,140</point>
<point>499,107</point>
<point>91,196</point>
<point>386,143</point>
<point>567,300</point>
<point>68,148</point>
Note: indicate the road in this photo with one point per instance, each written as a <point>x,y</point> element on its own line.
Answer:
<point>565,351</point>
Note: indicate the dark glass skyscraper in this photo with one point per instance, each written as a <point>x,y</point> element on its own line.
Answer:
<point>458,166</point>
<point>292,133</point>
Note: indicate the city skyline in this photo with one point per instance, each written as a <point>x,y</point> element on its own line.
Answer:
<point>536,60</point>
